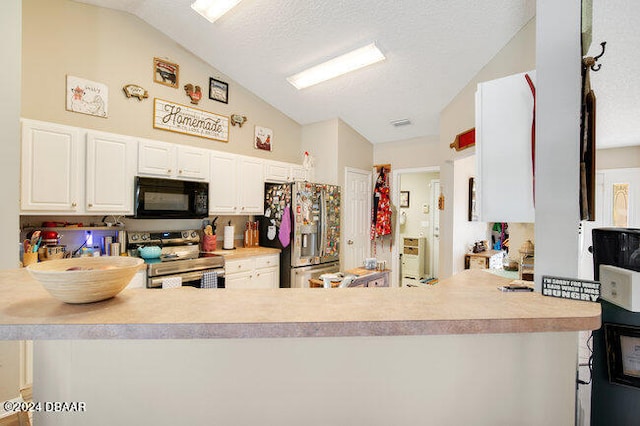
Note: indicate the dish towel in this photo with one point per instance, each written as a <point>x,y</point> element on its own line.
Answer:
<point>174,282</point>
<point>285,227</point>
<point>209,280</point>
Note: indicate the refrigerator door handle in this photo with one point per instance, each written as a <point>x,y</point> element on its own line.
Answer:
<point>323,224</point>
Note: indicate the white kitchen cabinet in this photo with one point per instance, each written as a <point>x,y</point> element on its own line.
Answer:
<point>164,159</point>
<point>281,172</point>
<point>253,272</point>
<point>110,171</point>
<point>250,185</point>
<point>51,168</point>
<point>236,184</point>
<point>504,115</point>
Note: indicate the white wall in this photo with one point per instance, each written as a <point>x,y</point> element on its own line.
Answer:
<point>464,231</point>
<point>10,34</point>
<point>558,62</point>
<point>321,141</point>
<point>486,379</point>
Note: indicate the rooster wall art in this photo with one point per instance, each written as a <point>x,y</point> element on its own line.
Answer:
<point>194,93</point>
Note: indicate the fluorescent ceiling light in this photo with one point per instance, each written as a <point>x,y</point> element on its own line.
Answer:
<point>213,9</point>
<point>335,67</point>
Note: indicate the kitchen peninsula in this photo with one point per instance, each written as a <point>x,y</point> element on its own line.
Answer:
<point>316,356</point>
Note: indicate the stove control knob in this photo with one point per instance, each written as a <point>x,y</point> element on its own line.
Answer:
<point>194,234</point>
<point>185,234</point>
<point>144,237</point>
<point>134,237</point>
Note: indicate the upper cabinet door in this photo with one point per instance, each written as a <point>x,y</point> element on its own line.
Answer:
<point>504,116</point>
<point>277,172</point>
<point>156,158</point>
<point>111,167</point>
<point>50,167</point>
<point>251,185</point>
<point>223,188</point>
<point>193,163</point>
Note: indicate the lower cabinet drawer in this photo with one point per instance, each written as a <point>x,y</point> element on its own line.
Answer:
<point>267,261</point>
<point>240,265</point>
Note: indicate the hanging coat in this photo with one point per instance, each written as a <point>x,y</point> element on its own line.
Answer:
<point>381,220</point>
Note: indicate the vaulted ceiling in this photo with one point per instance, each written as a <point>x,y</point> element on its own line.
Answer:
<point>433,48</point>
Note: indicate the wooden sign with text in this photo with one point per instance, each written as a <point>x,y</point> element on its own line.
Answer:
<point>189,121</point>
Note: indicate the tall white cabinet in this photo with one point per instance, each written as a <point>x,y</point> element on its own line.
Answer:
<point>504,116</point>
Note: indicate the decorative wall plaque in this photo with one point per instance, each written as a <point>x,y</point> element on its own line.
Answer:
<point>189,121</point>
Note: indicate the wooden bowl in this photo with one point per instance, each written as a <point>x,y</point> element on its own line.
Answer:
<point>85,279</point>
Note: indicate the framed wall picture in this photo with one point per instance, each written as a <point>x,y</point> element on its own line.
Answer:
<point>473,210</point>
<point>623,354</point>
<point>263,138</point>
<point>165,72</point>
<point>218,90</point>
<point>404,199</point>
<point>87,97</point>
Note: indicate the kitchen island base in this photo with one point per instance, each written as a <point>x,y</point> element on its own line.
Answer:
<point>479,379</point>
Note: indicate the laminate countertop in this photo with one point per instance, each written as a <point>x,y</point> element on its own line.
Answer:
<point>467,303</point>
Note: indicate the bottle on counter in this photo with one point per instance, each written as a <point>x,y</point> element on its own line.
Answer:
<point>256,235</point>
<point>248,235</point>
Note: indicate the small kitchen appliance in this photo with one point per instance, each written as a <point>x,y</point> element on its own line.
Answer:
<point>180,257</point>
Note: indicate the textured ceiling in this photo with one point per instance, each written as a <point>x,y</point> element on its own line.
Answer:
<point>616,85</point>
<point>433,49</point>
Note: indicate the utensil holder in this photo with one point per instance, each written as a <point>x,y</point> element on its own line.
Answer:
<point>209,243</point>
<point>28,258</point>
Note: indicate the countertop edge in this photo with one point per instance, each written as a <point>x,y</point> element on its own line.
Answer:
<point>295,329</point>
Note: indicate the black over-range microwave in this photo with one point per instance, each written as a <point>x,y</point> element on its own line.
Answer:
<point>157,198</point>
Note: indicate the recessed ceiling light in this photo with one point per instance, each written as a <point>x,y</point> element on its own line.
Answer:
<point>401,122</point>
<point>335,67</point>
<point>213,9</point>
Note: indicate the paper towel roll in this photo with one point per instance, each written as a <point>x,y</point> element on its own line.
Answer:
<point>229,232</point>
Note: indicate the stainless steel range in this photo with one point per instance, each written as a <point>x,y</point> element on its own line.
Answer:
<point>180,257</point>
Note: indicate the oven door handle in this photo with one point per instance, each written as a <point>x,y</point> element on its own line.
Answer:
<point>186,277</point>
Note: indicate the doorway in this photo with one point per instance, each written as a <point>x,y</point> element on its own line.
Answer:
<point>417,223</point>
<point>357,215</point>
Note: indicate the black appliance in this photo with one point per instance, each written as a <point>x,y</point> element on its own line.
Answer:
<point>157,198</point>
<point>613,404</point>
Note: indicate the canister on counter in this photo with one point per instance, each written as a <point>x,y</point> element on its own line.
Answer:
<point>114,249</point>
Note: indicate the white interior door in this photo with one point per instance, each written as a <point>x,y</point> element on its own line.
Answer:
<point>356,200</point>
<point>434,238</point>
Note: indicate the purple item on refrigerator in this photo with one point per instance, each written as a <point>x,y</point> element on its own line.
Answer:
<point>285,227</point>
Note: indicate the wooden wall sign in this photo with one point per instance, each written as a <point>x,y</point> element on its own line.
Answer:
<point>189,121</point>
<point>464,140</point>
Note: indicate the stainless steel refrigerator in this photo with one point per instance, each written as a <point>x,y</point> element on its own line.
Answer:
<point>303,220</point>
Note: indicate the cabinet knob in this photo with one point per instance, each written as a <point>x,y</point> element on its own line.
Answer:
<point>74,204</point>
<point>350,242</point>
<point>90,205</point>
<point>242,208</point>
<point>180,171</point>
<point>169,171</point>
